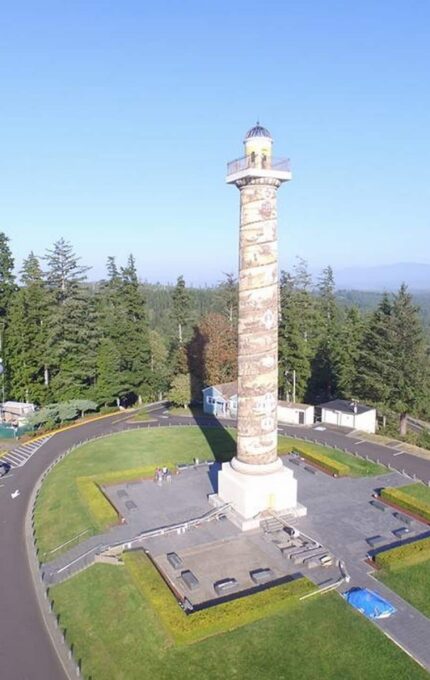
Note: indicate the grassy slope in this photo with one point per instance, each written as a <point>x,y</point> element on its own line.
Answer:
<point>118,637</point>
<point>411,583</point>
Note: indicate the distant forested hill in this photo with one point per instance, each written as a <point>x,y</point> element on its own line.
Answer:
<point>208,299</point>
<point>368,300</point>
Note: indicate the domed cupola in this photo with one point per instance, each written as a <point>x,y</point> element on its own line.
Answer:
<point>258,131</point>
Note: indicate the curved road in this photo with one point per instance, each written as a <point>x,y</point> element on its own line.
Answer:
<point>26,651</point>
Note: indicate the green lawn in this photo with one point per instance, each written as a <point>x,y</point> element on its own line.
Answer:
<point>118,636</point>
<point>412,497</point>
<point>418,491</point>
<point>412,583</point>
<point>358,467</point>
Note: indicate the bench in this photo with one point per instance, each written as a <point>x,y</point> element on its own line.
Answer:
<point>378,505</point>
<point>225,586</point>
<point>261,575</point>
<point>190,580</point>
<point>174,560</point>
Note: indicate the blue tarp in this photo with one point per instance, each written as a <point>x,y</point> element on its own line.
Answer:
<point>369,603</point>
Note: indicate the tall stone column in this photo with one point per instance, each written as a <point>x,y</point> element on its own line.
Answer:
<point>256,479</point>
<point>258,322</point>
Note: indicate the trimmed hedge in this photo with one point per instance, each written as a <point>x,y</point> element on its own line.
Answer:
<point>332,466</point>
<point>405,555</point>
<point>100,507</point>
<point>407,501</point>
<point>185,629</point>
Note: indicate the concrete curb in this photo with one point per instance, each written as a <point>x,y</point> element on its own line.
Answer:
<point>64,652</point>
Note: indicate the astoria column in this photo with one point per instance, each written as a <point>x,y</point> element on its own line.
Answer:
<point>256,479</point>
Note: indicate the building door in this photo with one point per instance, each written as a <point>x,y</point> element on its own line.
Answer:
<point>301,417</point>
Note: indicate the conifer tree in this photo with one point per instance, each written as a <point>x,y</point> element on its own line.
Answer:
<point>160,373</point>
<point>324,362</point>
<point>346,359</point>
<point>181,307</point>
<point>294,350</point>
<point>228,296</point>
<point>133,325</point>
<point>375,368</point>
<point>72,333</point>
<point>110,385</point>
<point>7,291</point>
<point>409,358</point>
<point>27,334</point>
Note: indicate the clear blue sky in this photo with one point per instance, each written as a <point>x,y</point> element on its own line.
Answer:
<point>117,120</point>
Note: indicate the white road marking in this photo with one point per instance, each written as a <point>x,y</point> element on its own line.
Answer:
<point>15,494</point>
<point>399,453</point>
<point>362,441</point>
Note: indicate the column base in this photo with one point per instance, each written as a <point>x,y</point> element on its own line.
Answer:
<point>252,494</point>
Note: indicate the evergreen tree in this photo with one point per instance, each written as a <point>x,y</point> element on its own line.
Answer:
<point>228,296</point>
<point>72,332</point>
<point>134,332</point>
<point>181,307</point>
<point>27,334</point>
<point>159,363</point>
<point>298,330</point>
<point>375,372</point>
<point>409,358</point>
<point>323,382</point>
<point>65,275</point>
<point>346,360</point>
<point>294,351</point>
<point>7,278</point>
<point>7,291</point>
<point>110,385</point>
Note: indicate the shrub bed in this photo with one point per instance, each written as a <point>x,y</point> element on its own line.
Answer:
<point>405,498</point>
<point>101,509</point>
<point>183,629</point>
<point>405,555</point>
<point>328,464</point>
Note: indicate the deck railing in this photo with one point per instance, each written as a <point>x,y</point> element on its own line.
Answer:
<point>259,162</point>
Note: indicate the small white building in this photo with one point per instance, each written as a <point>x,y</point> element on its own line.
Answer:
<point>351,414</point>
<point>221,400</point>
<point>295,414</point>
<point>16,411</point>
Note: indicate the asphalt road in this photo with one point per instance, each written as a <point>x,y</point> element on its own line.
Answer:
<point>26,651</point>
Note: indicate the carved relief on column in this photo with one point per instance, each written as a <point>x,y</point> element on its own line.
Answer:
<point>258,323</point>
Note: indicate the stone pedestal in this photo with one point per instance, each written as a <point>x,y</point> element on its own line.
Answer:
<point>257,490</point>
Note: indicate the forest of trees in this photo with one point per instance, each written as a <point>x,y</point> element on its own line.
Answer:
<point>120,341</point>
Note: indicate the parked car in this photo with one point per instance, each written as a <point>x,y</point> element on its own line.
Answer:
<point>4,469</point>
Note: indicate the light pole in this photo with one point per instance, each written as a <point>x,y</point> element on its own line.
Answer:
<point>294,384</point>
